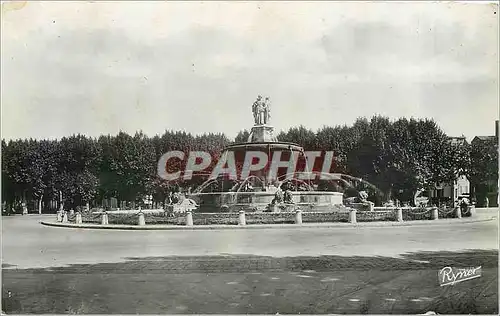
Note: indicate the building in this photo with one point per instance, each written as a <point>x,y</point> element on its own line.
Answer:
<point>451,193</point>
<point>479,139</point>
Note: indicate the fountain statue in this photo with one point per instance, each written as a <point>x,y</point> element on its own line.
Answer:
<point>261,111</point>
<point>262,131</point>
<point>256,108</point>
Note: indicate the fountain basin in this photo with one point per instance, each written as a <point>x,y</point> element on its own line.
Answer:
<point>259,201</point>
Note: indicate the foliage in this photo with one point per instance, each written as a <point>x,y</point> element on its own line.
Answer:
<point>398,157</point>
<point>242,136</point>
<point>484,158</point>
<point>483,173</point>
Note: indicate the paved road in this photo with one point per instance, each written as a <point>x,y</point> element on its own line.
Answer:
<point>50,246</point>
<point>376,270</point>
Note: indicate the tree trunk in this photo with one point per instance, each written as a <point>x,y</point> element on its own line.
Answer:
<point>389,194</point>
<point>61,206</point>
<point>40,204</point>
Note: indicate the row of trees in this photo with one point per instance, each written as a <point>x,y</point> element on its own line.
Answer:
<point>87,170</point>
<point>398,157</point>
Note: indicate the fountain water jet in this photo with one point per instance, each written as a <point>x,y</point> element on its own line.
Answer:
<point>258,190</point>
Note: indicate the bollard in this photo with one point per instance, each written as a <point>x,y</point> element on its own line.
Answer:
<point>104,219</point>
<point>241,219</point>
<point>189,219</point>
<point>59,216</point>
<point>458,212</point>
<point>275,208</point>
<point>435,213</point>
<point>352,216</point>
<point>399,215</point>
<point>472,210</point>
<point>298,217</point>
<point>142,220</point>
<point>78,218</point>
<point>65,217</point>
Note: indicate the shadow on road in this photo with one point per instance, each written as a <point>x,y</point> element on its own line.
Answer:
<point>241,284</point>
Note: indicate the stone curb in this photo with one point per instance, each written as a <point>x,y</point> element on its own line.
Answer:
<point>442,222</point>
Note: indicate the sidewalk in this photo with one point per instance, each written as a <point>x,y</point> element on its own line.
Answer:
<point>439,222</point>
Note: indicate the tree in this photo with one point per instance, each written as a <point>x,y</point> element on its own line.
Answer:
<point>299,135</point>
<point>133,162</point>
<point>484,167</point>
<point>8,184</point>
<point>43,168</point>
<point>78,159</point>
<point>339,140</point>
<point>16,164</point>
<point>242,136</point>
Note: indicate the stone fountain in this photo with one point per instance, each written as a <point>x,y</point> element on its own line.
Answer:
<point>258,191</point>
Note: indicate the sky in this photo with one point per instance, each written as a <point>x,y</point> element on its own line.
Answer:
<point>103,67</point>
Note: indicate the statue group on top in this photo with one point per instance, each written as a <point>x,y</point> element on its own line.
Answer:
<point>261,110</point>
